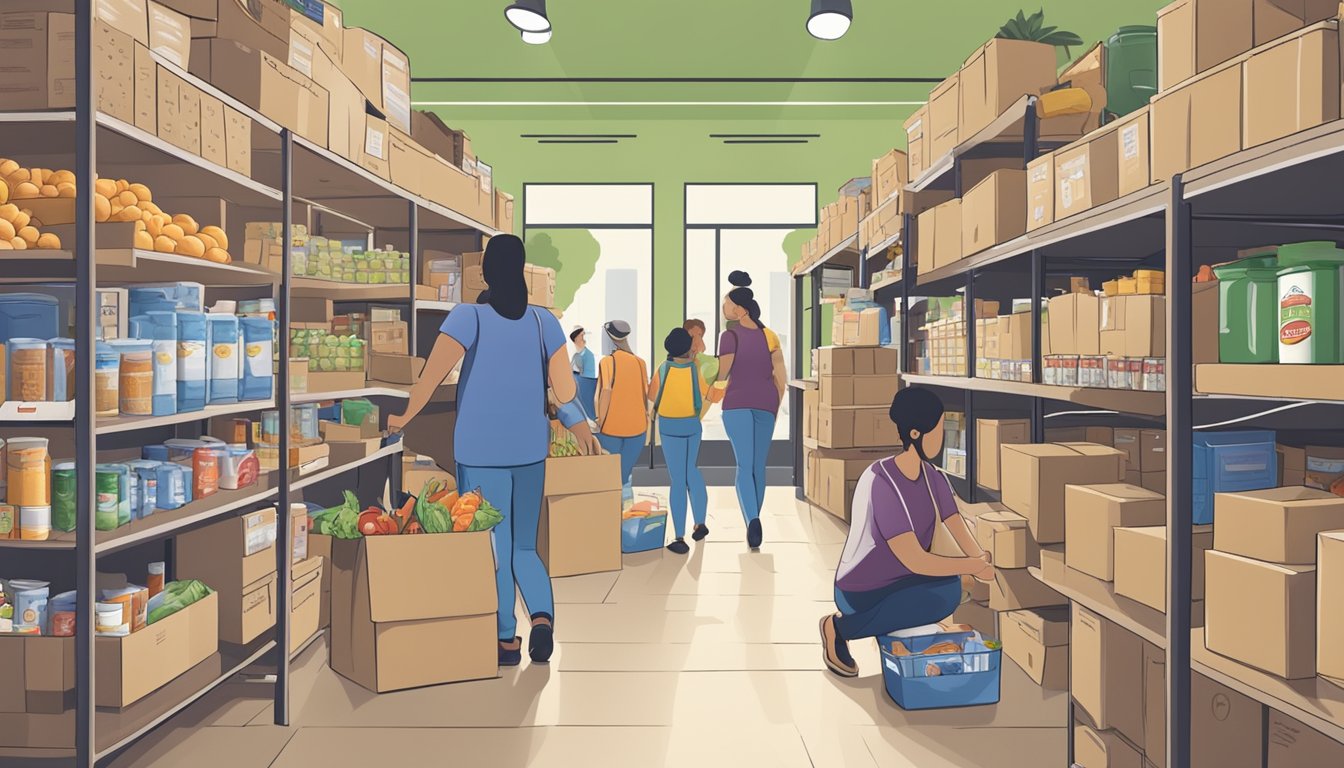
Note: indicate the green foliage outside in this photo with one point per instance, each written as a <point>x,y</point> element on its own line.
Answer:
<point>572,253</point>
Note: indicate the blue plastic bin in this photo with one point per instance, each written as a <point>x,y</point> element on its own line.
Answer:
<point>1228,462</point>
<point>641,534</point>
<point>966,679</point>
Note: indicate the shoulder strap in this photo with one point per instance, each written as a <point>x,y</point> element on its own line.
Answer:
<point>897,489</point>
<point>695,387</point>
<point>662,382</point>
<point>545,363</point>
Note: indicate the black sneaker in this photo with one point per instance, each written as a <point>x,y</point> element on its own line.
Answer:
<point>679,546</point>
<point>700,532</point>
<point>541,643</point>
<point>511,657</point>
<point>754,534</point>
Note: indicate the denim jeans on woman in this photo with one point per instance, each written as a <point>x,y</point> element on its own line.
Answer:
<point>906,603</point>
<point>749,432</point>
<point>629,449</point>
<point>681,449</point>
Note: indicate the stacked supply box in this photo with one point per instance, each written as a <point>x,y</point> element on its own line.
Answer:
<point>1106,678</point>
<point>1114,341</point>
<point>581,515</point>
<point>865,378</point>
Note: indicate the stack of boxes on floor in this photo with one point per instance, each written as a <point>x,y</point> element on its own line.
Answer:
<point>340,352</point>
<point>1113,341</point>
<point>345,90</point>
<point>846,422</point>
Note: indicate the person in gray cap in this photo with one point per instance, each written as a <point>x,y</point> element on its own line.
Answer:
<point>623,403</point>
<point>585,370</point>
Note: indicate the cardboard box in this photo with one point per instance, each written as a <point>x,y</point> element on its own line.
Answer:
<point>854,361</point>
<point>978,615</point>
<point>179,109</point>
<point>1015,589</point>
<point>238,136</point>
<point>334,381</point>
<point>582,475</point>
<point>997,75</point>
<point>214,139</point>
<point>990,435</point>
<point>395,369</point>
<point>386,637</point>
<point>374,149</point>
<point>1329,593</point>
<point>1197,123</point>
<point>917,142</point>
<point>37,61</point>
<point>1295,745</point>
<point>382,73</point>
<point>1038,640</point>
<point>1093,512</point>
<point>266,83</point>
<point>1034,477</point>
<point>1087,172</point>
<point>1040,192</point>
<point>1134,326</point>
<point>947,234</point>
<point>236,557</point>
<point>1107,679</point>
<point>1196,35</point>
<point>1155,703</point>
<point>1279,634</point>
<point>262,25</point>
<point>993,211</point>
<point>855,427</point>
<point>1277,525</point>
<point>131,667</point>
<point>1145,449</point>
<point>305,612</point>
<point>1104,749</point>
<point>889,177</point>
<point>1276,18</point>
<point>504,213</point>
<point>1132,152</point>
<point>1291,85</point>
<point>1014,336</point>
<point>39,677</point>
<point>1075,324</point>
<point>858,390</point>
<point>169,35</point>
<point>388,337</point>
<point>1141,564</point>
<point>581,534</point>
<point>833,476</point>
<point>1004,536</point>
<point>540,285</point>
<point>944,113</point>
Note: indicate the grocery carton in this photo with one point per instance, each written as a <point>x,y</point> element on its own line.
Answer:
<point>131,667</point>
<point>572,475</point>
<point>1145,449</point>
<point>1093,512</point>
<point>991,434</point>
<point>1277,634</point>
<point>1038,640</point>
<point>236,558</point>
<point>1107,678</point>
<point>855,427</point>
<point>1132,147</point>
<point>997,75</point>
<point>305,607</point>
<point>1087,172</point>
<point>917,135</point>
<point>1196,123</point>
<point>1278,525</point>
<point>1329,598</point>
<point>833,475</point>
<point>1034,477</point>
<point>1141,564</point>
<point>1104,748</point>
<point>1291,85</point>
<point>1004,535</point>
<point>1075,324</point>
<point>1293,744</point>
<point>1197,35</point>
<point>581,534</point>
<point>1040,192</point>
<point>858,390</point>
<point>993,211</point>
<point>944,108</point>
<point>1015,589</point>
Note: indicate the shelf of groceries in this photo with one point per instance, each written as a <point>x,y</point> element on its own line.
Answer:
<point>1121,401</point>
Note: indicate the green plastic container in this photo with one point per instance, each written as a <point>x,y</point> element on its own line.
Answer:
<point>1311,325</point>
<point>1248,310</point>
<point>1131,69</point>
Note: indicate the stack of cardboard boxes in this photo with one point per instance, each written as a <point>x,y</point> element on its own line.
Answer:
<point>1112,342</point>
<point>580,529</point>
<point>846,425</point>
<point>1003,343</point>
<point>540,281</point>
<point>385,343</point>
<point>881,213</point>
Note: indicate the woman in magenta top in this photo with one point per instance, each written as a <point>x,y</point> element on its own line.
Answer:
<point>751,363</point>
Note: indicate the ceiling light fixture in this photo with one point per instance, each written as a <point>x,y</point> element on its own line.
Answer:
<point>830,19</point>
<point>537,38</point>
<point>528,15</point>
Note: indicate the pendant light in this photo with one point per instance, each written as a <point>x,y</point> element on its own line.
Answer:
<point>830,19</point>
<point>528,15</point>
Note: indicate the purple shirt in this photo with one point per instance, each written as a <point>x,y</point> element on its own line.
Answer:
<point>887,504</point>
<point>751,382</point>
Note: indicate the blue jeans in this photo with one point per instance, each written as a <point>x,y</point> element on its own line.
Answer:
<point>587,395</point>
<point>516,493</point>
<point>629,449</point>
<point>749,432</point>
<point>909,602</point>
<point>681,449</point>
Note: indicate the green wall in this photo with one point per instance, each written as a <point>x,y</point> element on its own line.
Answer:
<point>694,39</point>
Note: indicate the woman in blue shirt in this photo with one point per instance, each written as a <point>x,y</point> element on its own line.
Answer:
<point>510,354</point>
<point>585,371</point>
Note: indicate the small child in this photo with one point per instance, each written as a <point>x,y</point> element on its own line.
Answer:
<point>678,392</point>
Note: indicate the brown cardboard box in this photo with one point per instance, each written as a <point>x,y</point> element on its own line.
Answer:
<point>1329,597</point>
<point>978,615</point>
<point>917,142</point>
<point>345,103</point>
<point>128,16</point>
<point>131,667</point>
<point>1155,703</point>
<point>1141,564</point>
<point>406,161</point>
<point>179,111</point>
<point>926,225</point>
<point>944,115</point>
<point>37,61</point>
<point>305,613</point>
<point>1276,18</point>
<point>993,211</point>
<point>236,557</point>
<point>40,675</point>
<point>889,177</point>
<point>1038,640</point>
<point>1015,589</point>
<point>504,212</point>
<point>1277,525</point>
<point>1107,678</point>
<point>1040,192</point>
<point>1279,634</point>
<point>115,53</point>
<point>1132,152</point>
<point>1034,477</point>
<point>421,470</point>
<point>265,83</point>
<point>858,390</point>
<point>238,133</point>
<point>435,135</point>
<point>214,140</point>
<point>396,71</point>
<point>1087,172</point>
<point>395,369</point>
<point>1295,745</point>
<point>146,90</point>
<point>1145,449</point>
<point>834,474</point>
<point>1153,481</point>
<point>1004,536</point>
<point>1052,563</point>
<point>262,25</point>
<point>170,35</point>
<point>1196,35</point>
<point>1086,73</point>
<point>999,73</point>
<point>855,427</point>
<point>1204,322</point>
<point>990,435</point>
<point>1104,749</point>
<point>320,545</point>
<point>947,234</point>
<point>1014,335</point>
<point>1197,123</point>
<point>1134,326</point>
<point>1093,512</point>
<point>852,361</point>
<point>581,534</point>
<point>386,637</point>
<point>374,149</point>
<point>388,337</point>
<point>1292,85</point>
<point>582,475</point>
<point>1292,464</point>
<point>1075,324</point>
<point>1225,726</point>
<point>540,285</point>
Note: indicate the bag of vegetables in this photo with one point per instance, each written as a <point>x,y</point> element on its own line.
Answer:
<point>175,596</point>
<point>341,522</point>
<point>441,510</point>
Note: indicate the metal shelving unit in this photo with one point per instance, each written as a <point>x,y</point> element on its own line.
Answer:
<point>287,170</point>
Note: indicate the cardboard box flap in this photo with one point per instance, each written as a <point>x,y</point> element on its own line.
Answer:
<point>412,577</point>
<point>1088,72</point>
<point>1047,626</point>
<point>1122,491</point>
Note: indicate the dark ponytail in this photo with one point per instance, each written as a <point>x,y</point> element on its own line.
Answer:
<point>503,271</point>
<point>743,297</point>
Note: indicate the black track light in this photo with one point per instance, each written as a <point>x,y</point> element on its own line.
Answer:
<point>528,15</point>
<point>830,19</point>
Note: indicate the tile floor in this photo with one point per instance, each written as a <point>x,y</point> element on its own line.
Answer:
<point>711,659</point>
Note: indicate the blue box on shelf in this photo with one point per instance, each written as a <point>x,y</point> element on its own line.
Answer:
<point>940,681</point>
<point>1228,462</point>
<point>641,534</point>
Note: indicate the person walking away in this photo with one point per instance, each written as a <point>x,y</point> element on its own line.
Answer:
<point>707,363</point>
<point>623,404</point>
<point>888,580</point>
<point>678,392</point>
<point>752,366</point>
<point>510,353</point>
<point>585,371</point>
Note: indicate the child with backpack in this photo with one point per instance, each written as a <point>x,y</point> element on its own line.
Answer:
<point>678,392</point>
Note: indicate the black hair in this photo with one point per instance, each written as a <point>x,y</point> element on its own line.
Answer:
<point>915,408</point>
<point>743,297</point>
<point>503,269</point>
<point>677,343</point>
<point>483,297</point>
<point>574,334</point>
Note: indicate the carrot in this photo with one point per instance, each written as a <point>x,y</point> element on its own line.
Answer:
<point>446,497</point>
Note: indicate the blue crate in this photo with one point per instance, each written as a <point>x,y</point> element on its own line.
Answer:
<point>641,534</point>
<point>965,680</point>
<point>1230,462</point>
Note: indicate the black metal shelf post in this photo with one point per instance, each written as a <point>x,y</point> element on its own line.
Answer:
<point>795,394</point>
<point>968,416</point>
<point>413,245</point>
<point>908,236</point>
<point>283,545</point>
<point>1037,343</point>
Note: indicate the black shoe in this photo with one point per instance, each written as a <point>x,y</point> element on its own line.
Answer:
<point>754,534</point>
<point>700,532</point>
<point>679,546</point>
<point>511,657</point>
<point>541,643</point>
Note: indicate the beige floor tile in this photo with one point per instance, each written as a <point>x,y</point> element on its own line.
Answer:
<point>591,588</point>
<point>686,657</point>
<point>180,744</point>
<point>947,747</point>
